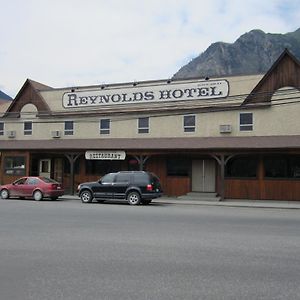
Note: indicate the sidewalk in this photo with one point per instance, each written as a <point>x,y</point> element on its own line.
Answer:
<point>282,204</point>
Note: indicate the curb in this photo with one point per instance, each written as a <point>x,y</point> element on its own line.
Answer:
<point>282,204</point>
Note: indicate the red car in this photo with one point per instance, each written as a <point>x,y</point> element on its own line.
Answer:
<point>32,187</point>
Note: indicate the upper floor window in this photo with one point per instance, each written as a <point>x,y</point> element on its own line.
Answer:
<point>105,126</point>
<point>69,127</point>
<point>143,125</point>
<point>189,123</point>
<point>1,128</point>
<point>246,121</point>
<point>28,128</point>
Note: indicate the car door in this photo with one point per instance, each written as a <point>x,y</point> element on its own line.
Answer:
<point>29,186</point>
<point>17,188</point>
<point>103,189</point>
<point>120,185</point>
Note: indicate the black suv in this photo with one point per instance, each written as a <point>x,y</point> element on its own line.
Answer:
<point>134,186</point>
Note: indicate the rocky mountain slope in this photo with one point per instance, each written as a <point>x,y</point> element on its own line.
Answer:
<point>4,97</point>
<point>252,53</point>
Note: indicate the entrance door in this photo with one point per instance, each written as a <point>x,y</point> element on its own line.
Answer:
<point>203,175</point>
<point>45,168</point>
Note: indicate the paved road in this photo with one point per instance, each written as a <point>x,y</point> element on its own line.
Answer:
<point>68,250</point>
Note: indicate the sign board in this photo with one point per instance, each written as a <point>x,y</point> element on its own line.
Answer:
<point>105,155</point>
<point>182,91</point>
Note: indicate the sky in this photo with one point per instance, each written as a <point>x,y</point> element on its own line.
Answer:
<point>65,43</point>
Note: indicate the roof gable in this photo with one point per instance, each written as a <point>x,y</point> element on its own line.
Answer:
<point>29,93</point>
<point>284,72</point>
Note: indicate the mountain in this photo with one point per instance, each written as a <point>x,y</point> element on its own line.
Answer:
<point>252,53</point>
<point>4,97</point>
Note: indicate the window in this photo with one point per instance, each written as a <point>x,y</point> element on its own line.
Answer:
<point>45,166</point>
<point>69,127</point>
<point>108,178</point>
<point>32,181</point>
<point>283,166</point>
<point>20,181</point>
<point>28,128</point>
<point>14,165</point>
<point>294,167</point>
<point>1,128</point>
<point>143,125</point>
<point>189,123</point>
<point>48,180</point>
<point>178,166</point>
<point>122,178</point>
<point>246,121</point>
<point>141,178</point>
<point>242,167</point>
<point>104,126</point>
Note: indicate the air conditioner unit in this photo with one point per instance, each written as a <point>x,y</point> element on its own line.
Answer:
<point>55,134</point>
<point>11,134</point>
<point>225,128</point>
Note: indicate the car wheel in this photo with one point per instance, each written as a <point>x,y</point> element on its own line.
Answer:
<point>86,196</point>
<point>134,198</point>
<point>37,195</point>
<point>4,194</point>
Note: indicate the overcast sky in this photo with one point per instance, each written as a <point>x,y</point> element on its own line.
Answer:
<point>84,42</point>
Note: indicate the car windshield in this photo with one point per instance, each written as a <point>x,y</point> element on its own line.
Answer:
<point>48,180</point>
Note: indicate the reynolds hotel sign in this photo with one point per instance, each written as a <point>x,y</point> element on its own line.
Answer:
<point>193,90</point>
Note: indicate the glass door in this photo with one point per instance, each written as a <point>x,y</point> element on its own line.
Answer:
<point>45,168</point>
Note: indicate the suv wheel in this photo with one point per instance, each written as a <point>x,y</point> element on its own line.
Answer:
<point>86,196</point>
<point>134,198</point>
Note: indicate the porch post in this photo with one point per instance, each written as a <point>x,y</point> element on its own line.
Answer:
<point>222,168</point>
<point>72,157</point>
<point>222,163</point>
<point>141,159</point>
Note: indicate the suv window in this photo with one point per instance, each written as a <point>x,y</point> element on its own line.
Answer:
<point>141,178</point>
<point>123,178</point>
<point>154,179</point>
<point>109,178</point>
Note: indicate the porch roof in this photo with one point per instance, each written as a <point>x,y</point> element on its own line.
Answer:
<point>188,143</point>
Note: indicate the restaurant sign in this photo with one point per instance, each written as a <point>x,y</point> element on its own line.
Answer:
<point>183,91</point>
<point>105,155</point>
